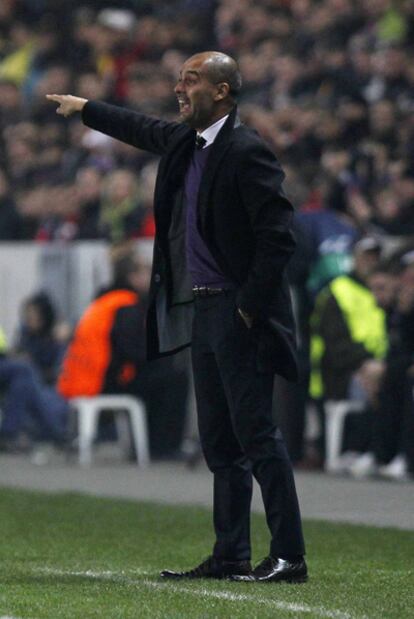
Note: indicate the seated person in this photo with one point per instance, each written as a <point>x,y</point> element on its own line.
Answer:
<point>389,384</point>
<point>347,327</point>
<point>40,339</point>
<point>348,332</point>
<point>28,406</point>
<point>107,354</point>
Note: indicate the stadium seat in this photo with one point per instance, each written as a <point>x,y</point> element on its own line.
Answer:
<point>335,414</point>
<point>89,410</point>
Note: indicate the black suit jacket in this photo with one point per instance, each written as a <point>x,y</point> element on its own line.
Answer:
<point>243,216</point>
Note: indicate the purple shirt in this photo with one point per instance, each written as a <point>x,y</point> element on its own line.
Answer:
<point>201,265</point>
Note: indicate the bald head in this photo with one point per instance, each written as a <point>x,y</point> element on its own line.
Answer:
<point>206,88</point>
<point>219,67</point>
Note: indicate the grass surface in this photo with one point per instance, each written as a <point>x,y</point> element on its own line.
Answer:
<point>71,556</point>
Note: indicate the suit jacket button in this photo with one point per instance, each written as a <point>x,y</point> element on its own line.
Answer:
<point>157,278</point>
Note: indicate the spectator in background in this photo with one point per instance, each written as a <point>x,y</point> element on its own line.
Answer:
<point>318,79</point>
<point>41,341</point>
<point>327,234</point>
<point>10,104</point>
<point>88,186</point>
<point>30,409</point>
<point>347,327</point>
<point>74,209</point>
<point>10,223</point>
<point>122,216</point>
<point>348,330</point>
<point>17,56</point>
<point>108,355</point>
<point>389,383</point>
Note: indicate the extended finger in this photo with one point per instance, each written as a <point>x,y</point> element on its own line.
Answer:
<point>57,98</point>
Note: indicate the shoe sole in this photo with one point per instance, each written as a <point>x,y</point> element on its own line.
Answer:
<point>297,580</point>
<point>290,581</point>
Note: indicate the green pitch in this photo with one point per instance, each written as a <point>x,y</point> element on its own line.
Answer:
<point>76,557</point>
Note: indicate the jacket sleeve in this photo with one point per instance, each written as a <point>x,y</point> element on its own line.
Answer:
<point>259,178</point>
<point>139,130</point>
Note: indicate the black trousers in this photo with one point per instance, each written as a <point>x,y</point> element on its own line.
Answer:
<point>393,419</point>
<point>237,432</point>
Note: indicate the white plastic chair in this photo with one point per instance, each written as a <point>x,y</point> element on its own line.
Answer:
<point>335,414</point>
<point>89,410</point>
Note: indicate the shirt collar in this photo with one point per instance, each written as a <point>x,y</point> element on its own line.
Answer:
<point>211,132</point>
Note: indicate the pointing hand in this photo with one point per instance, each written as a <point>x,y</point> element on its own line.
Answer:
<point>68,104</point>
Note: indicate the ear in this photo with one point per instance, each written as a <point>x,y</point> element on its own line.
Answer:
<point>223,90</point>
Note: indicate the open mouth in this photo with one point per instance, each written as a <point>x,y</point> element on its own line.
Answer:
<point>185,106</point>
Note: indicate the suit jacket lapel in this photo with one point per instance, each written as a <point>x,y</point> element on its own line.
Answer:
<point>218,149</point>
<point>171,177</point>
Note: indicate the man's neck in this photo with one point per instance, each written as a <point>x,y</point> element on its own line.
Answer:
<point>210,133</point>
<point>212,122</point>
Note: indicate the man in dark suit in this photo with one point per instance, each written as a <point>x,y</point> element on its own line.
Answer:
<point>222,244</point>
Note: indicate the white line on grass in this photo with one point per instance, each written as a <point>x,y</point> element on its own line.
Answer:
<point>242,597</point>
<point>106,574</point>
<point>121,577</point>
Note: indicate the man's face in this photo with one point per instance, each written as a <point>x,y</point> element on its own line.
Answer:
<point>384,288</point>
<point>365,262</point>
<point>196,95</point>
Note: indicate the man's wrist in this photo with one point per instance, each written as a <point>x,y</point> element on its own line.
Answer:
<point>82,104</point>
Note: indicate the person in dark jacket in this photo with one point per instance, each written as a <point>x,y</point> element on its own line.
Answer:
<point>391,450</point>
<point>222,245</point>
<point>10,220</point>
<point>29,407</point>
<point>348,328</point>
<point>38,339</point>
<point>107,356</point>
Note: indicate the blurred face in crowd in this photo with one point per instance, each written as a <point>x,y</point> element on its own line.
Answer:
<point>384,287</point>
<point>365,262</point>
<point>33,318</point>
<point>375,7</point>
<point>404,189</point>
<point>88,184</point>
<point>287,69</point>
<point>10,98</point>
<point>387,205</point>
<point>140,278</point>
<point>335,161</point>
<point>55,79</point>
<point>91,86</point>
<point>120,185</point>
<point>406,289</point>
<point>199,99</point>
<point>361,61</point>
<point>407,277</point>
<point>382,116</point>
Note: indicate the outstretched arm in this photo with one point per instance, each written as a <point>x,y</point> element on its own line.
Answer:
<point>128,126</point>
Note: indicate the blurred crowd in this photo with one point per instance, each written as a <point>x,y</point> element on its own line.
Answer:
<point>328,83</point>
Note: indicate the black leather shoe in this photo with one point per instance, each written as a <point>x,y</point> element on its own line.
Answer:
<point>212,568</point>
<point>277,570</point>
